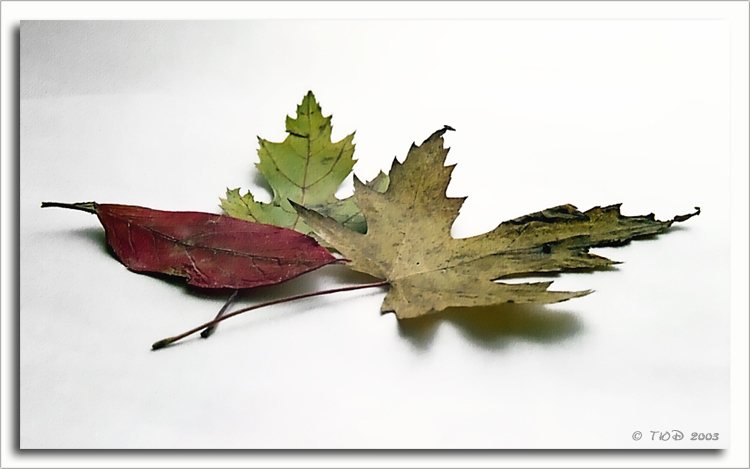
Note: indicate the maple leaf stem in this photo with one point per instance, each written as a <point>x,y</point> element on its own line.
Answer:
<point>170,340</point>
<point>207,332</point>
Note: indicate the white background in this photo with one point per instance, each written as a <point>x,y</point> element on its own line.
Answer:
<point>546,112</point>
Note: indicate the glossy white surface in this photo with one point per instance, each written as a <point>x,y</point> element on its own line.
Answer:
<point>547,112</point>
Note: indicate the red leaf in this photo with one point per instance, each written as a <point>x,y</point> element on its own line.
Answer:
<point>212,251</point>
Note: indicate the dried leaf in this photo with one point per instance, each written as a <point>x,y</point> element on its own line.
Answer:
<point>212,251</point>
<point>306,168</point>
<point>346,211</point>
<point>409,243</point>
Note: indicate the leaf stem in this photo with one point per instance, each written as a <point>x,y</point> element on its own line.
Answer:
<point>170,340</point>
<point>211,329</point>
<point>89,207</point>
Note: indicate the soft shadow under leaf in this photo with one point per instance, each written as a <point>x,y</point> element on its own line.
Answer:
<point>494,327</point>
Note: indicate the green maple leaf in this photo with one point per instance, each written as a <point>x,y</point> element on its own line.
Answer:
<point>409,243</point>
<point>306,168</point>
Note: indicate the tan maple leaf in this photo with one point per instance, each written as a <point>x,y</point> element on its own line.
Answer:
<point>408,241</point>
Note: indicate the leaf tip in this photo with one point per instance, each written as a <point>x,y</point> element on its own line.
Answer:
<point>357,181</point>
<point>435,136</point>
<point>681,218</point>
<point>294,204</point>
<point>300,209</point>
<point>577,294</point>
